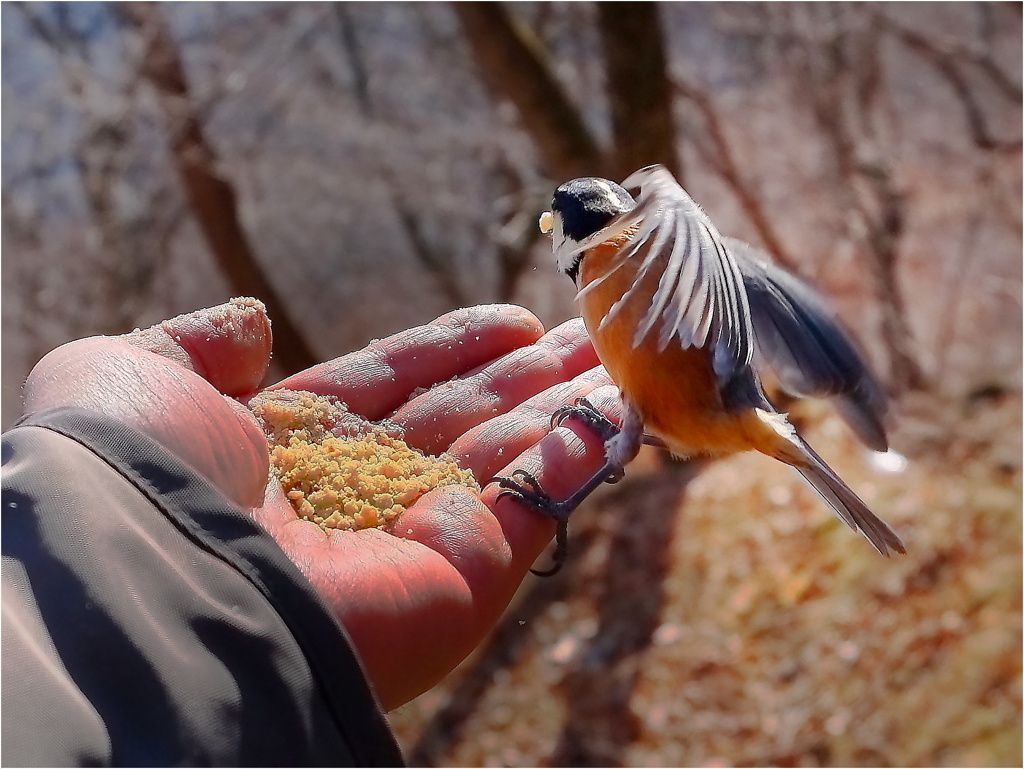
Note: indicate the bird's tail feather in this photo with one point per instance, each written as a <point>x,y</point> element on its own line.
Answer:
<point>847,504</point>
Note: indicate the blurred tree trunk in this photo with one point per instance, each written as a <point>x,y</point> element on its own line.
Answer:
<point>517,66</point>
<point>212,198</point>
<point>639,88</point>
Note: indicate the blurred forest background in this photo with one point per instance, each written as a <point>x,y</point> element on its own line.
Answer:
<point>366,167</point>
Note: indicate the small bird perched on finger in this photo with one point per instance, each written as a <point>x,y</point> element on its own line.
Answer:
<point>682,319</point>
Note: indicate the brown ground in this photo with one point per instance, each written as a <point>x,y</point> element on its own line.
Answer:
<point>720,615</point>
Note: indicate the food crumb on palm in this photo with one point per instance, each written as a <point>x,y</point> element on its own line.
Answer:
<point>340,471</point>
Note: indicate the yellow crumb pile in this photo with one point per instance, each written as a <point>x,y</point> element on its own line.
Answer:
<point>340,471</point>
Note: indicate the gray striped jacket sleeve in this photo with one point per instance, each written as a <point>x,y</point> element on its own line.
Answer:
<point>147,621</point>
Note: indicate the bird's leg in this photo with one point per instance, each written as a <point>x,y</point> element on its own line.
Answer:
<point>620,446</point>
<point>602,425</point>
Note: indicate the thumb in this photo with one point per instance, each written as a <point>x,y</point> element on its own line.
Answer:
<point>167,381</point>
<point>227,345</point>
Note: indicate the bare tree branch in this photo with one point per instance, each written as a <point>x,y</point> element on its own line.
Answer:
<point>838,67</point>
<point>960,262</point>
<point>723,160</point>
<point>945,63</point>
<point>213,199</point>
<point>352,49</point>
<point>515,240</point>
<point>437,264</point>
<point>100,155</point>
<point>68,62</point>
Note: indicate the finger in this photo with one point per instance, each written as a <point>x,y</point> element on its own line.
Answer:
<point>434,420</point>
<point>488,447</point>
<point>228,345</point>
<point>377,379</point>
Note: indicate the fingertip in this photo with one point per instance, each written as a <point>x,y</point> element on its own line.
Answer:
<point>607,400</point>
<point>452,520</point>
<point>506,328</point>
<point>517,320</point>
<point>573,330</point>
<point>228,345</point>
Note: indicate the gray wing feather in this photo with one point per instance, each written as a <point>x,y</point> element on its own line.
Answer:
<point>798,337</point>
<point>700,297</point>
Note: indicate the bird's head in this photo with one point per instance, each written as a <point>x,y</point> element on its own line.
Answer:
<point>579,209</point>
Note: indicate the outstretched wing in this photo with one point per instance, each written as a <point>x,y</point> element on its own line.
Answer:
<point>798,337</point>
<point>699,299</point>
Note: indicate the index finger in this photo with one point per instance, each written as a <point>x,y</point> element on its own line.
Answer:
<point>434,419</point>
<point>378,379</point>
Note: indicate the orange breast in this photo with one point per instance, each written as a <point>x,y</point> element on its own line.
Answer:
<point>675,390</point>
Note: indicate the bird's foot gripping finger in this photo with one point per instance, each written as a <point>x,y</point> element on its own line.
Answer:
<point>620,446</point>
<point>585,411</point>
<point>527,489</point>
<point>589,414</point>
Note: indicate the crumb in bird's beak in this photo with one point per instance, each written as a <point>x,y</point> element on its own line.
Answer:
<point>546,223</point>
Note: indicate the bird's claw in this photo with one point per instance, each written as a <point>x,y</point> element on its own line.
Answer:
<point>616,475</point>
<point>585,411</point>
<point>588,413</point>
<point>527,489</point>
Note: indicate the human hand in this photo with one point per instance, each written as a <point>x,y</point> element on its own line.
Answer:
<point>418,597</point>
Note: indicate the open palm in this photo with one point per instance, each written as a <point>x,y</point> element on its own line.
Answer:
<point>418,597</point>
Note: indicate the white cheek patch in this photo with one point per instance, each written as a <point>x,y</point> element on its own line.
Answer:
<point>565,250</point>
<point>557,236</point>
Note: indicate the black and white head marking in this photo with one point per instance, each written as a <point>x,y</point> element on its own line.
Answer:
<point>581,208</point>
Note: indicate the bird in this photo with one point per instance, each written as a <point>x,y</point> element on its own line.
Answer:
<point>687,323</point>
